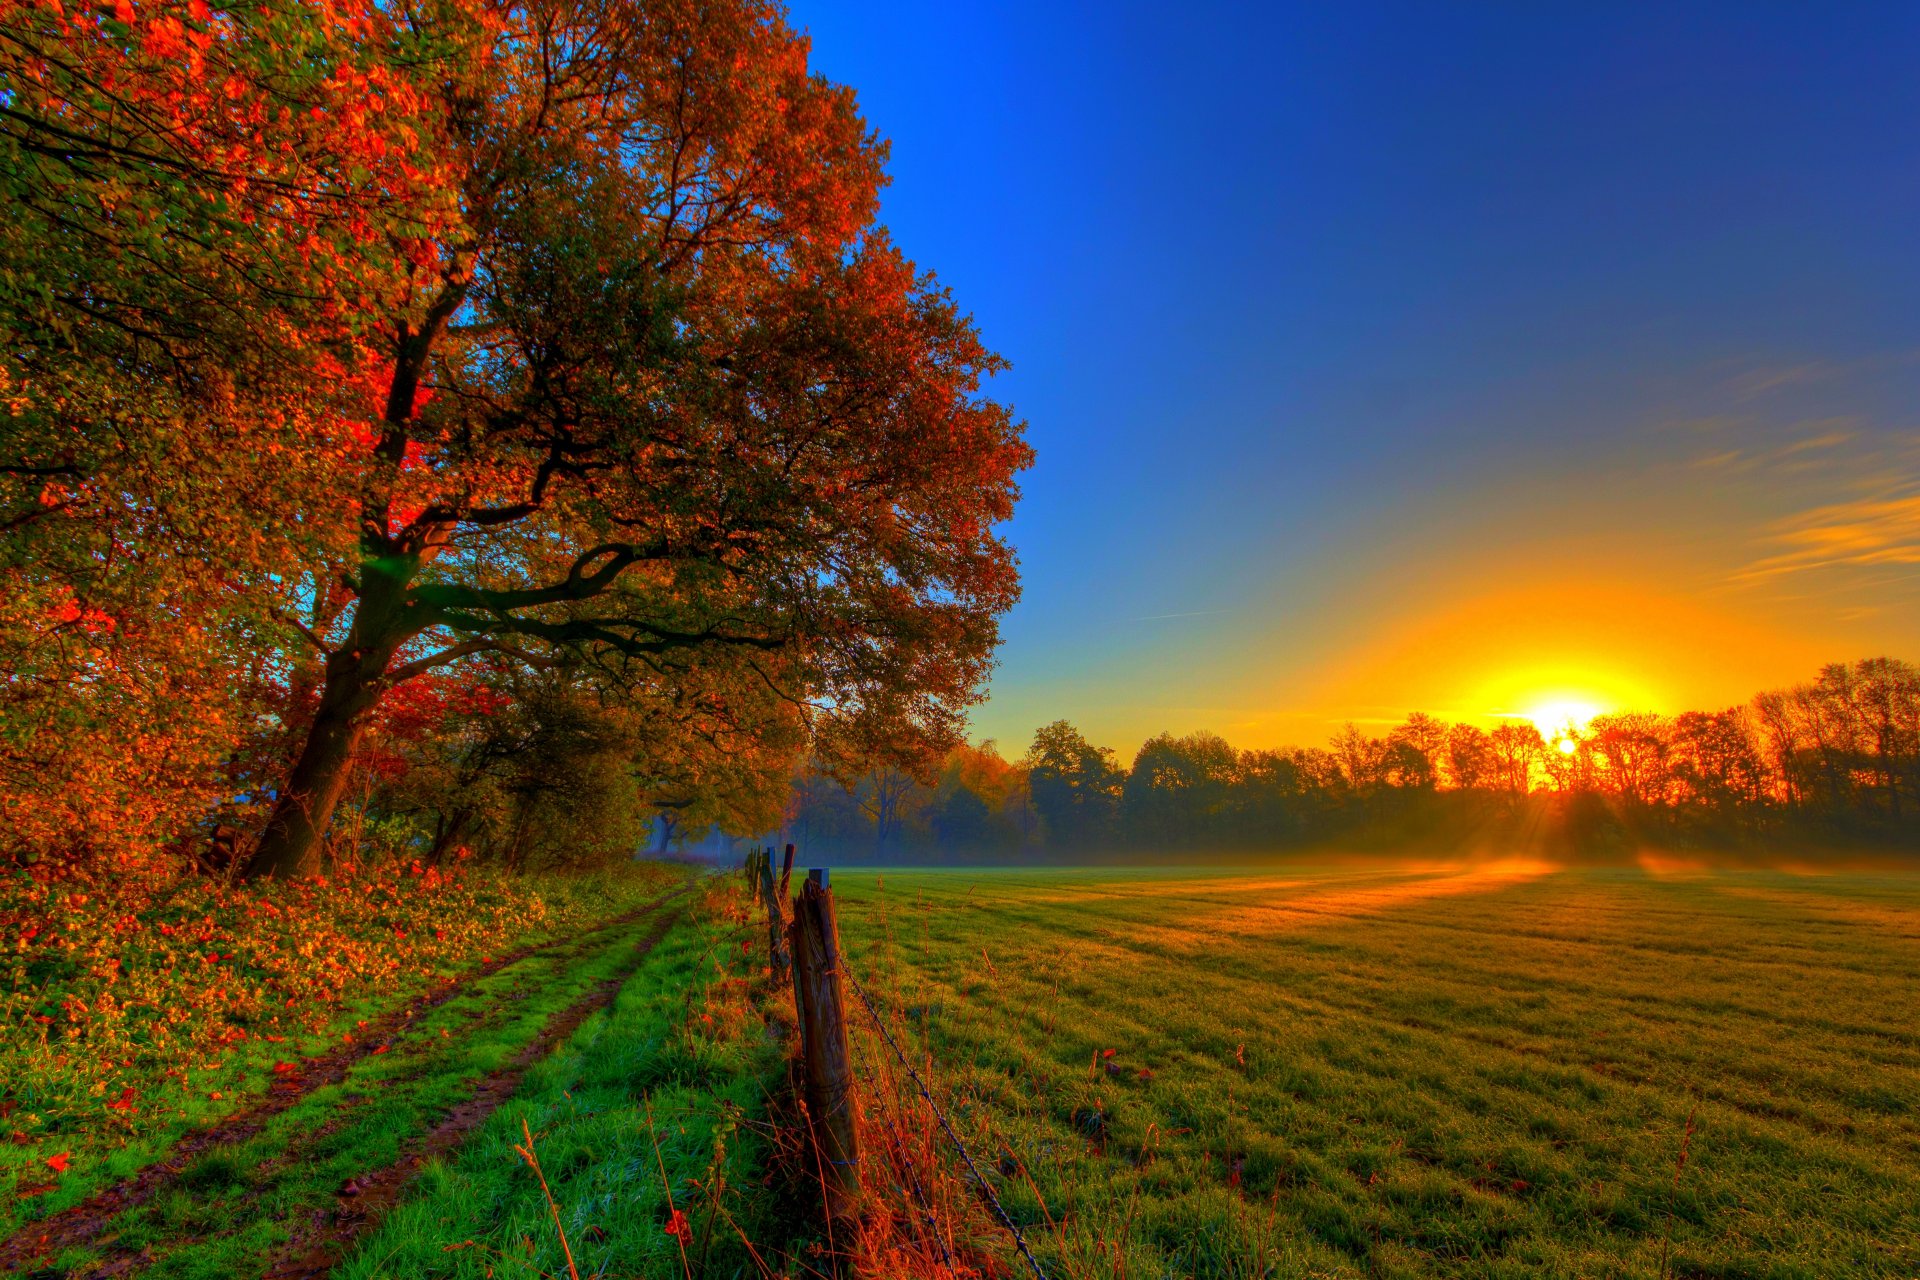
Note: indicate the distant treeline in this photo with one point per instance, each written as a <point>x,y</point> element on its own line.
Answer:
<point>1831,764</point>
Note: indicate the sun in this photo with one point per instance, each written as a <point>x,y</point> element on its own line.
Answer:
<point>1561,719</point>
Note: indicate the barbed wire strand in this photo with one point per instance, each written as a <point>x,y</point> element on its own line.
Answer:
<point>913,1179</point>
<point>986,1188</point>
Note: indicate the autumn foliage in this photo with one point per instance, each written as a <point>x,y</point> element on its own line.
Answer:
<point>378,382</point>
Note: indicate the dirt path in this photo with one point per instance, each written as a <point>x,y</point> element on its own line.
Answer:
<point>83,1223</point>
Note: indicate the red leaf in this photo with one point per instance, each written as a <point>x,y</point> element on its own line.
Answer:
<point>59,1163</point>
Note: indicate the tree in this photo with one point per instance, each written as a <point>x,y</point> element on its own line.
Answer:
<point>1631,748</point>
<point>961,820</point>
<point>1472,759</point>
<point>1715,763</point>
<point>1271,800</point>
<point>1178,791</point>
<point>1517,747</point>
<point>883,795</point>
<point>1075,786</point>
<point>1362,760</point>
<point>1887,698</point>
<point>1415,749</point>
<point>1784,746</point>
<point>821,813</point>
<point>202,212</point>
<point>667,398</point>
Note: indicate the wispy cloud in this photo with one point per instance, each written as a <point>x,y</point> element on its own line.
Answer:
<point>1817,446</point>
<point>1762,378</point>
<point>1880,529</point>
<point>1754,383</point>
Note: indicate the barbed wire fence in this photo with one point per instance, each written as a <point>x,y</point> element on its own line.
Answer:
<point>918,1189</point>
<point>966,1157</point>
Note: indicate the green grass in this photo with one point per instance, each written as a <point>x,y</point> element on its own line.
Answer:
<point>159,1022</point>
<point>680,1058</point>
<point>232,1207</point>
<point>1383,1074</point>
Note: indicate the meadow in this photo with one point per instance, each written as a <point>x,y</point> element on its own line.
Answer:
<point>1503,1071</point>
<point>1509,1070</point>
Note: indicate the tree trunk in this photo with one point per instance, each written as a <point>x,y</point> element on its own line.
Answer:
<point>451,827</point>
<point>383,620</point>
<point>291,844</point>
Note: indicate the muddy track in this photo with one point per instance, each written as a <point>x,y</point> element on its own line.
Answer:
<point>82,1223</point>
<point>325,1238</point>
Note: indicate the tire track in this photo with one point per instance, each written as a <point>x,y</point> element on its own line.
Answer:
<point>84,1222</point>
<point>330,1233</point>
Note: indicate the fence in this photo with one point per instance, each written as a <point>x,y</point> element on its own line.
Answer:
<point>807,943</point>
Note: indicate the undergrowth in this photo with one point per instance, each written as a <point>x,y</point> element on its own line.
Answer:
<point>130,1015</point>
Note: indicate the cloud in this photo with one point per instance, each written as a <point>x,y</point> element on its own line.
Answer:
<point>1819,447</point>
<point>1879,529</point>
<point>1763,378</point>
<point>1754,383</point>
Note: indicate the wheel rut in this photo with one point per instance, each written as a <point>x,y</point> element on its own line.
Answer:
<point>326,1237</point>
<point>85,1223</point>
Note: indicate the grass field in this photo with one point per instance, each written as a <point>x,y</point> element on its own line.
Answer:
<point>1503,1072</point>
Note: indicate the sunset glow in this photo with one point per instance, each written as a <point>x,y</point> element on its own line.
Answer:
<point>1556,716</point>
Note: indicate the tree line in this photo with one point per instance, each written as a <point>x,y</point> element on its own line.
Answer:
<point>1830,764</point>
<point>458,418</point>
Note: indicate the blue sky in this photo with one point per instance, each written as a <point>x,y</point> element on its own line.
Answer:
<point>1426,356</point>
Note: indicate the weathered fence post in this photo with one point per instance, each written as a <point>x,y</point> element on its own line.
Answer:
<point>820,999</point>
<point>778,957</point>
<point>786,869</point>
<point>755,856</point>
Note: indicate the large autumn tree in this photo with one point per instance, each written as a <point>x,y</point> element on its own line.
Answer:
<point>669,398</point>
<point>351,342</point>
<point>207,211</point>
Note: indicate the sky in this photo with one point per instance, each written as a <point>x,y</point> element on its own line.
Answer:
<point>1453,358</point>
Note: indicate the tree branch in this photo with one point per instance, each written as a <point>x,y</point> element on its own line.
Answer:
<point>304,630</point>
<point>580,584</point>
<point>454,652</point>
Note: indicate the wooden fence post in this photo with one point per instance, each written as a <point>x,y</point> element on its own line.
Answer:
<point>755,856</point>
<point>786,869</point>
<point>778,956</point>
<point>820,1000</point>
